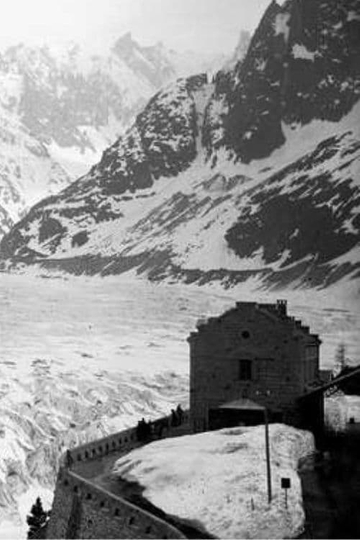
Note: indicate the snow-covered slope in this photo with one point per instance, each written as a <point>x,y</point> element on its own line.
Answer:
<point>27,171</point>
<point>251,174</point>
<point>60,110</point>
<point>218,480</point>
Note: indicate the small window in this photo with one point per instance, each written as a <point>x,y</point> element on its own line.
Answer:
<point>245,371</point>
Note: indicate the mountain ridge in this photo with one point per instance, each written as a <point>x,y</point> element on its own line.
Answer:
<point>238,171</point>
<point>71,106</point>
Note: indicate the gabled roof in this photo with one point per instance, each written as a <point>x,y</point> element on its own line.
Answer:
<point>276,312</point>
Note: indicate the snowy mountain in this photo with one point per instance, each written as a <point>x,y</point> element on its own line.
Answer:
<point>60,109</point>
<point>77,104</point>
<point>27,172</point>
<point>252,174</point>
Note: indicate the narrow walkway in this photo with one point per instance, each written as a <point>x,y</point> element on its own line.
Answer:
<point>102,465</point>
<point>100,468</point>
<point>99,472</point>
<point>318,509</point>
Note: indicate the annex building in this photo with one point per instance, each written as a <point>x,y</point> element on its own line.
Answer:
<point>253,357</point>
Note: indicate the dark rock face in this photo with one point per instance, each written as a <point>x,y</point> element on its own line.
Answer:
<point>303,63</point>
<point>306,213</point>
<point>162,142</point>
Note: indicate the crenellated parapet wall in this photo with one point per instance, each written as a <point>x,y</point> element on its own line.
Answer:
<point>82,509</point>
<point>124,440</point>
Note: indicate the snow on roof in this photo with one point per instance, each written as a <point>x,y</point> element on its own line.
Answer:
<point>242,404</point>
<point>218,479</point>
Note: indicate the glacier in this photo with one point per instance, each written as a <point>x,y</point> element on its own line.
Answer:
<point>84,357</point>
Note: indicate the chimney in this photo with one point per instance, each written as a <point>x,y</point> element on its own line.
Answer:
<point>281,306</point>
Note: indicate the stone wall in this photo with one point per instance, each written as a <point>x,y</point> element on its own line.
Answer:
<point>81,509</point>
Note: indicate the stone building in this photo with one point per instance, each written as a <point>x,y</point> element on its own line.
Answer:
<point>251,358</point>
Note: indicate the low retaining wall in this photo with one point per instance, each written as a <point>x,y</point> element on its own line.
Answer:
<point>82,509</point>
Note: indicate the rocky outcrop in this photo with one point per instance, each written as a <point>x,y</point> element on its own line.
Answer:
<point>302,64</point>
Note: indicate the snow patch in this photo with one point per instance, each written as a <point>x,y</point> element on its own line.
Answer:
<point>299,51</point>
<point>281,25</point>
<point>353,16</point>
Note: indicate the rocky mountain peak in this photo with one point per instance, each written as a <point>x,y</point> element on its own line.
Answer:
<point>124,45</point>
<point>302,64</point>
<point>151,61</point>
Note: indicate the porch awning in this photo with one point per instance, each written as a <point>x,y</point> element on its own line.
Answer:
<point>242,405</point>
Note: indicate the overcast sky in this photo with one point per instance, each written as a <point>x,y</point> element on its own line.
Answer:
<point>202,25</point>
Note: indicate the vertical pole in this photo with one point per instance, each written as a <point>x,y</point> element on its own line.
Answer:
<point>267,449</point>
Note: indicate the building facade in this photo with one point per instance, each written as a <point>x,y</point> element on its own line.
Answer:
<point>255,354</point>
